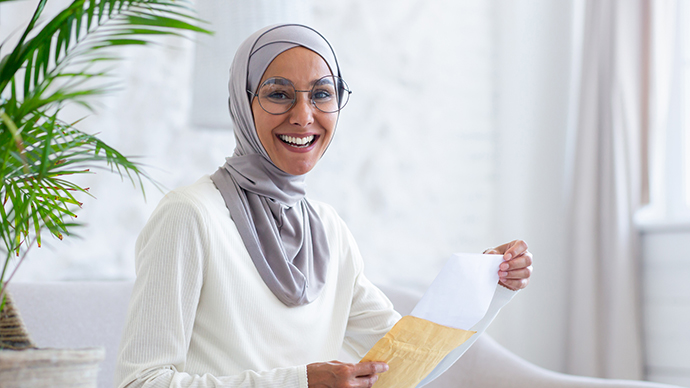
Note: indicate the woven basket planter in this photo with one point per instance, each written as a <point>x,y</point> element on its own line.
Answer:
<point>43,368</point>
<point>22,365</point>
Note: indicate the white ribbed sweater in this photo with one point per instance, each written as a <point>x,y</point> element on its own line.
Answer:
<point>201,316</point>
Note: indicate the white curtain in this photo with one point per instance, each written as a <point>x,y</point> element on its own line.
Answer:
<point>608,139</point>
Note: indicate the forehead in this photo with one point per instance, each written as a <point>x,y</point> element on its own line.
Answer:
<point>299,65</point>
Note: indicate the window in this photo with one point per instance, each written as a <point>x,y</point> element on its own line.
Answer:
<point>684,44</point>
<point>670,119</point>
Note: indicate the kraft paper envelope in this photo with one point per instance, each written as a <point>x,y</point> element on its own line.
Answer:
<point>457,299</point>
<point>412,349</point>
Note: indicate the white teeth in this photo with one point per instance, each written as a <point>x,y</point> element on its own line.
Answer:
<point>300,141</point>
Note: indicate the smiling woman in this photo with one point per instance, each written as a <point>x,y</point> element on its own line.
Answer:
<point>247,282</point>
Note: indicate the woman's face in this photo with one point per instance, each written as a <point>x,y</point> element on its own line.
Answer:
<point>302,67</point>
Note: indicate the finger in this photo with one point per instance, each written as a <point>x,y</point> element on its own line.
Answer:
<point>514,249</point>
<point>501,249</point>
<point>504,248</point>
<point>369,368</point>
<point>522,273</point>
<point>365,382</point>
<point>523,261</point>
<point>515,284</point>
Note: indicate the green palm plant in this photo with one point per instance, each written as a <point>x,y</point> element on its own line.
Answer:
<point>55,63</point>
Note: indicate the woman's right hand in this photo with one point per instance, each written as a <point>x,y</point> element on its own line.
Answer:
<point>336,374</point>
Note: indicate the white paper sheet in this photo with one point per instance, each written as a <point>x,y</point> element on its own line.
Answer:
<point>461,293</point>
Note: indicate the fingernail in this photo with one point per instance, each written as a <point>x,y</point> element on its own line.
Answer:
<point>507,256</point>
<point>504,266</point>
<point>384,368</point>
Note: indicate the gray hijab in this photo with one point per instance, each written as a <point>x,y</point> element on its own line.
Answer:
<point>283,233</point>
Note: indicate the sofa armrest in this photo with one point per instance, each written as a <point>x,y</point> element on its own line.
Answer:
<point>489,365</point>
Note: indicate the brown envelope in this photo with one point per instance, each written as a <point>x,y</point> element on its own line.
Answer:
<point>412,349</point>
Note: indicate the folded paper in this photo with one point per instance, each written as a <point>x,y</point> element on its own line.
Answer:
<point>412,349</point>
<point>457,299</point>
<point>461,293</point>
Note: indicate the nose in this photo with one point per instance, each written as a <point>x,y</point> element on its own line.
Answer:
<point>302,113</point>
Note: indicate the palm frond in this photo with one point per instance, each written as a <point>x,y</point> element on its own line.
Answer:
<point>51,65</point>
<point>88,27</point>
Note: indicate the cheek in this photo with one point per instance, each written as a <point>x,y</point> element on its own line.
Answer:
<point>328,123</point>
<point>262,130</point>
<point>264,124</point>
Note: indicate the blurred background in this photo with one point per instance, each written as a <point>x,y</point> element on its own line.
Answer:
<point>471,123</point>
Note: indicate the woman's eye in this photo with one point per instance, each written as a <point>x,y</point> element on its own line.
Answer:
<point>278,96</point>
<point>321,95</point>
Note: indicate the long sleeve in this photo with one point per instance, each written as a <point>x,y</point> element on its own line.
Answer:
<point>501,297</point>
<point>371,316</point>
<point>371,312</point>
<point>172,253</point>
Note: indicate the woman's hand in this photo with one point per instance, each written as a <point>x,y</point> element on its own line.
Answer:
<point>516,268</point>
<point>336,374</point>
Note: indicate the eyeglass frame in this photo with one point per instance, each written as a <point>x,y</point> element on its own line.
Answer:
<point>311,99</point>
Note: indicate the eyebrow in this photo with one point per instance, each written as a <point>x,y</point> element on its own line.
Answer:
<point>323,80</point>
<point>279,81</point>
<point>326,79</point>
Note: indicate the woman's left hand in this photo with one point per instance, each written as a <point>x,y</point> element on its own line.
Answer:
<point>516,268</point>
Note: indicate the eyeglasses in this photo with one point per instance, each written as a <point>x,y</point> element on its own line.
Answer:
<point>278,95</point>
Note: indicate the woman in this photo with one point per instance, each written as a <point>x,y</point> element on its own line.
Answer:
<point>242,281</point>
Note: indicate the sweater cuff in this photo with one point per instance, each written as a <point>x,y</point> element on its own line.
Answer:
<point>302,375</point>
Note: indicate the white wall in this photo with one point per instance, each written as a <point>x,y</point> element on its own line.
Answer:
<point>411,169</point>
<point>666,250</point>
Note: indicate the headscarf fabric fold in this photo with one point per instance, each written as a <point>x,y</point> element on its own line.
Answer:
<point>282,232</point>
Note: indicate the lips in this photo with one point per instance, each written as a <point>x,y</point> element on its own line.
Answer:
<point>298,142</point>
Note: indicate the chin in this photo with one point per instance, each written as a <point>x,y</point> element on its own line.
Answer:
<point>298,168</point>
<point>298,171</point>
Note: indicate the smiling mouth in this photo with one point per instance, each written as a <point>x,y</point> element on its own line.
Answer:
<point>298,142</point>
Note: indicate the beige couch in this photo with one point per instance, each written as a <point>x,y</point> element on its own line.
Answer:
<point>87,314</point>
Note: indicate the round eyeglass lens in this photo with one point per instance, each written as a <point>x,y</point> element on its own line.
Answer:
<point>276,95</point>
<point>329,94</point>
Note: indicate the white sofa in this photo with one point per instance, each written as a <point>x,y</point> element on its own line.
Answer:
<point>88,314</point>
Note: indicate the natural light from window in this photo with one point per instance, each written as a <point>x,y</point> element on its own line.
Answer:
<point>685,99</point>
